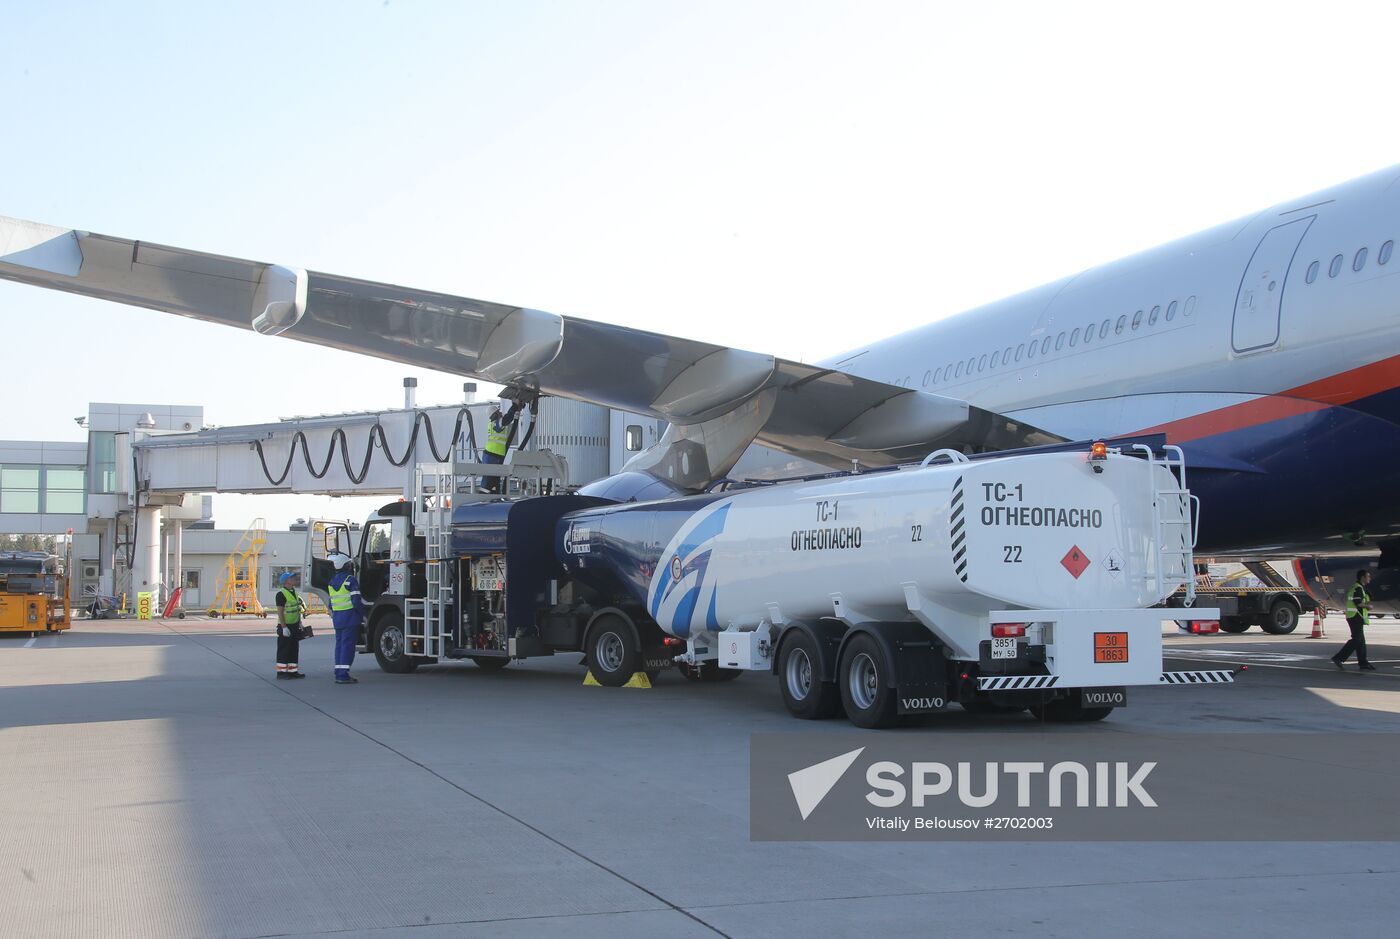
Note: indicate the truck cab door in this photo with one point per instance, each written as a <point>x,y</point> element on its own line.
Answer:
<point>323,538</point>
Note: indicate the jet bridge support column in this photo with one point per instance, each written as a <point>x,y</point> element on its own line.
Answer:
<point>145,568</point>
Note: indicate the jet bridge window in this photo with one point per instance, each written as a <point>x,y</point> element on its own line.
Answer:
<point>1359,261</point>
<point>1312,271</point>
<point>1335,267</point>
<point>1383,257</point>
<point>634,438</point>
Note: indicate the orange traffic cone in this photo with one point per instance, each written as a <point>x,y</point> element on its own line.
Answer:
<point>1317,632</point>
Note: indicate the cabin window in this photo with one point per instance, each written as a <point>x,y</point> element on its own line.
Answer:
<point>1335,267</point>
<point>1030,353</point>
<point>1019,349</point>
<point>1006,356</point>
<point>1190,306</point>
<point>634,438</point>
<point>1137,319</point>
<point>1152,317</point>
<point>971,364</point>
<point>1060,341</point>
<point>996,357</point>
<point>1074,338</point>
<point>1089,332</point>
<point>1045,346</point>
<point>937,374</point>
<point>1358,262</point>
<point>1171,311</point>
<point>1103,330</point>
<point>1118,326</point>
<point>958,374</point>
<point>927,377</point>
<point>1384,256</point>
<point>982,363</point>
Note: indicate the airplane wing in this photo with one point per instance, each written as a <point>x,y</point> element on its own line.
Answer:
<point>718,399</point>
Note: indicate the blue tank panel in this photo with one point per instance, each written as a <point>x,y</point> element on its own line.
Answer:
<point>615,549</point>
<point>480,527</point>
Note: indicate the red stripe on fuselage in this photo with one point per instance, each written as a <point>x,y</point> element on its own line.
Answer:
<point>1342,388</point>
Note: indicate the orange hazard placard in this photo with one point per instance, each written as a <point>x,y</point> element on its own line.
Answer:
<point>1110,647</point>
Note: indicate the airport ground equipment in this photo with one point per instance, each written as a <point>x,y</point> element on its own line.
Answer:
<point>34,593</point>
<point>1021,581</point>
<point>238,587</point>
<point>1266,599</point>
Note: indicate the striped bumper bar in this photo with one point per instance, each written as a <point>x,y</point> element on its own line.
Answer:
<point>1197,678</point>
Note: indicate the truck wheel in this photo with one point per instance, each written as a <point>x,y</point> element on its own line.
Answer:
<point>1282,618</point>
<point>1233,624</point>
<point>490,663</point>
<point>868,699</point>
<point>1067,711</point>
<point>708,671</point>
<point>390,646</point>
<point>804,693</point>
<point>613,653</point>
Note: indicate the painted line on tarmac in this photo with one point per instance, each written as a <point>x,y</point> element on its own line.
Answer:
<point>32,640</point>
<point>1204,657</point>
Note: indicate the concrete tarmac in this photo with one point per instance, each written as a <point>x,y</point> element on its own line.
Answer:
<point>156,781</point>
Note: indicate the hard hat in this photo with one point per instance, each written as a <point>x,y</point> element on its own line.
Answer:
<point>339,561</point>
<point>286,576</point>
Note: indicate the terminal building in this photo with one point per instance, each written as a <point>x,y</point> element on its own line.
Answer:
<point>86,488</point>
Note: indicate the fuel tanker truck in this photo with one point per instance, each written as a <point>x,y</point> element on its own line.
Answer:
<point>1020,581</point>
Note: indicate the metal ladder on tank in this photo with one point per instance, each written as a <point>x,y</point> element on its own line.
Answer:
<point>426,619</point>
<point>1175,530</point>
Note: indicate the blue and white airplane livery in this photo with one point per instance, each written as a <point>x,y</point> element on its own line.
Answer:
<point>1268,348</point>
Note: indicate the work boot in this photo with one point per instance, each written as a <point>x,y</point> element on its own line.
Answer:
<point>1366,667</point>
<point>296,674</point>
<point>347,680</point>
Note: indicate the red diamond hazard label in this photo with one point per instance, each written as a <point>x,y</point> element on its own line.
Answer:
<point>1075,562</point>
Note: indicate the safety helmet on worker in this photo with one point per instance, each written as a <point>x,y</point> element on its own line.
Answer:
<point>339,561</point>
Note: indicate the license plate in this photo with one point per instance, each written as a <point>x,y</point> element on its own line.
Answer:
<point>1110,647</point>
<point>1003,648</point>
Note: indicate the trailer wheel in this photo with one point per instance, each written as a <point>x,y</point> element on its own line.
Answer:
<point>614,654</point>
<point>1234,624</point>
<point>390,645</point>
<point>805,695</point>
<point>708,671</point>
<point>1282,618</point>
<point>490,663</point>
<point>868,699</point>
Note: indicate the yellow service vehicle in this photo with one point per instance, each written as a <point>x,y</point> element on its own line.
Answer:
<point>33,593</point>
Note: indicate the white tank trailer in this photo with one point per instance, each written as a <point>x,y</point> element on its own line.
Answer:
<point>1005,583</point>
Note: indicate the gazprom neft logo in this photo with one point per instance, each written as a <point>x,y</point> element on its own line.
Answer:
<point>980,786</point>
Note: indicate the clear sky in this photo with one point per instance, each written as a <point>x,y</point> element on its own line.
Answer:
<point>790,177</point>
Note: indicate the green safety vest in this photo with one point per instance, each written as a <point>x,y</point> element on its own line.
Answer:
<point>497,440</point>
<point>292,611</point>
<point>1359,603</point>
<point>340,597</point>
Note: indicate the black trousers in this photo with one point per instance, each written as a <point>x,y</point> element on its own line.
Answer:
<point>288,651</point>
<point>1357,642</point>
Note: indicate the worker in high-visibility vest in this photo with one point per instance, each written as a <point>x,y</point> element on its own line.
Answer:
<point>499,429</point>
<point>290,610</point>
<point>1358,618</point>
<point>347,614</point>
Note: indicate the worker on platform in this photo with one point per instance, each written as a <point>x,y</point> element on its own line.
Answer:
<point>1358,618</point>
<point>499,430</point>
<point>290,615</point>
<point>347,613</point>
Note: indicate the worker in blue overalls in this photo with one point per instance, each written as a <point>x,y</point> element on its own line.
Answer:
<point>347,613</point>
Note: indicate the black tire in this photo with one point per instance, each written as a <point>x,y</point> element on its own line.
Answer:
<point>708,671</point>
<point>390,646</point>
<point>805,695</point>
<point>863,679</point>
<point>490,663</point>
<point>1233,624</point>
<point>614,654</point>
<point>1067,711</point>
<point>1282,618</point>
